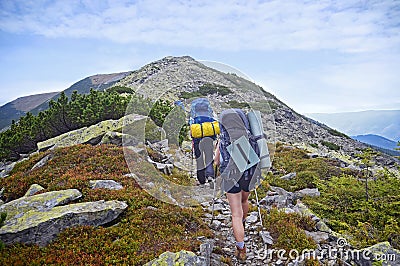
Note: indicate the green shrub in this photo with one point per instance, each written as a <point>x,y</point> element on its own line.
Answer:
<point>236,104</point>
<point>314,145</point>
<point>331,145</point>
<point>342,203</point>
<point>3,217</point>
<point>206,89</point>
<point>334,132</point>
<point>120,89</point>
<point>288,230</point>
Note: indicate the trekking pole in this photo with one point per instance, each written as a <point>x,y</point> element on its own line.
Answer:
<point>191,167</point>
<point>214,192</point>
<point>258,207</point>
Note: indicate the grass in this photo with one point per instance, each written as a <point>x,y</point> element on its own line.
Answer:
<point>343,202</point>
<point>287,230</point>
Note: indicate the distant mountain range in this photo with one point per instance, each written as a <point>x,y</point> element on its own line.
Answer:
<point>385,123</point>
<point>39,102</point>
<point>19,107</point>
<point>379,142</point>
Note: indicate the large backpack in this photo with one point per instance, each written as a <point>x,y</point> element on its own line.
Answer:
<point>200,107</point>
<point>239,147</point>
<point>201,121</point>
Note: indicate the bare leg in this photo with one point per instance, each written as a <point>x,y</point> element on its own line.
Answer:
<point>245,203</point>
<point>235,202</point>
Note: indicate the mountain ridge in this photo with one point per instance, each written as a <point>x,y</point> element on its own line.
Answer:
<point>39,102</point>
<point>15,109</point>
<point>376,140</point>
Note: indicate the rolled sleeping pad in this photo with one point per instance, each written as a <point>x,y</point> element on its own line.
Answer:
<point>256,128</point>
<point>206,129</point>
<point>265,160</point>
<point>255,122</point>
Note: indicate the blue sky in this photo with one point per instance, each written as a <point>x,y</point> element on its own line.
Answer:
<point>316,56</point>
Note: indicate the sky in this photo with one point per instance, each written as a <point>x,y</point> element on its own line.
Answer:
<point>316,56</point>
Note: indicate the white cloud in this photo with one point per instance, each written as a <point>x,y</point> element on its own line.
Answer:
<point>348,26</point>
<point>353,84</point>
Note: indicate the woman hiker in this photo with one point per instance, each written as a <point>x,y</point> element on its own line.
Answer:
<point>234,182</point>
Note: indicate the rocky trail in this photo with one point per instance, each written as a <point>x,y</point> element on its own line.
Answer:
<point>332,248</point>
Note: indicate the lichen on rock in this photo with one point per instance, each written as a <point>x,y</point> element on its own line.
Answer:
<point>41,227</point>
<point>40,202</point>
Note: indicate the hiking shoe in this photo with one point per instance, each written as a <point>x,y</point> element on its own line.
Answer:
<point>240,254</point>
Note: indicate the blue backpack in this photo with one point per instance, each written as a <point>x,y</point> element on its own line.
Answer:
<point>200,110</point>
<point>238,147</point>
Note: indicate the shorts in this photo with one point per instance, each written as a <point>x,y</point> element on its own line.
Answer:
<point>233,186</point>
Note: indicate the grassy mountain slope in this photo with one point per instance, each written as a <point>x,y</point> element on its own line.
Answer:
<point>145,230</point>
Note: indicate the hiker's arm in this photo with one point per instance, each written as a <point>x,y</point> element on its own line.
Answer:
<point>217,155</point>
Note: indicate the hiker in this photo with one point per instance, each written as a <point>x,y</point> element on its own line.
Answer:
<point>203,128</point>
<point>238,155</point>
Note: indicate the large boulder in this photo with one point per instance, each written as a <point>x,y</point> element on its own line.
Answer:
<point>94,134</point>
<point>41,202</point>
<point>41,227</point>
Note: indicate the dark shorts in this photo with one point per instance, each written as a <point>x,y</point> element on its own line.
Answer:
<point>232,186</point>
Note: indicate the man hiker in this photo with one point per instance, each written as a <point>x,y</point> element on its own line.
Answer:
<point>203,129</point>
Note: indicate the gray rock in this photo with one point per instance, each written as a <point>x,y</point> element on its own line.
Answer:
<point>6,169</point>
<point>139,149</point>
<point>182,257</point>
<point>266,237</point>
<point>41,202</point>
<point>318,237</point>
<point>309,192</point>
<point>41,227</point>
<point>382,252</point>
<point>94,133</point>
<point>321,226</point>
<point>216,225</point>
<point>33,189</point>
<point>166,168</point>
<point>112,138</point>
<point>206,250</point>
<point>252,218</point>
<point>289,176</point>
<point>217,207</point>
<point>43,161</point>
<point>107,184</point>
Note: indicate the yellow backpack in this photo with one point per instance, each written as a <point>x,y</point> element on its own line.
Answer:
<point>206,129</point>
